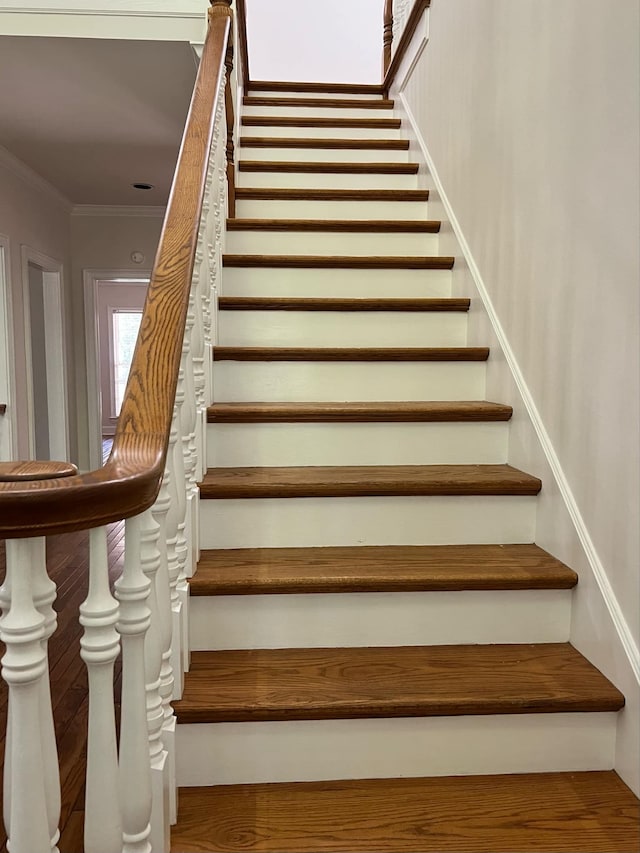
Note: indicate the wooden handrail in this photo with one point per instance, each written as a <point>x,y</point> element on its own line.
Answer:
<point>413,20</point>
<point>129,482</point>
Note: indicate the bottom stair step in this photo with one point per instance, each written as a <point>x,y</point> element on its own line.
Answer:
<point>543,812</point>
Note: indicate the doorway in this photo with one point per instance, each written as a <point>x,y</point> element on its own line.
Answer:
<point>113,305</point>
<point>48,431</point>
<point>8,451</point>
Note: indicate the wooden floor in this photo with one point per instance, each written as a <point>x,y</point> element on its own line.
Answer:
<point>545,812</point>
<point>67,561</point>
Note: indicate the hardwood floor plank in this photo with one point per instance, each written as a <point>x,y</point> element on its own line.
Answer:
<point>378,569</point>
<point>534,813</point>
<point>410,681</point>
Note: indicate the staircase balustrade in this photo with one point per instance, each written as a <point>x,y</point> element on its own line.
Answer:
<point>149,481</point>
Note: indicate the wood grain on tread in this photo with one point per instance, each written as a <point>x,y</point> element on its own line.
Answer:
<point>323,167</point>
<point>433,568</point>
<point>341,262</point>
<point>405,681</point>
<point>590,812</point>
<point>350,354</point>
<point>299,121</point>
<point>361,412</point>
<point>293,303</point>
<point>367,226</point>
<point>332,103</point>
<point>300,194</point>
<point>321,88</point>
<point>367,480</point>
<point>27,471</point>
<point>304,142</point>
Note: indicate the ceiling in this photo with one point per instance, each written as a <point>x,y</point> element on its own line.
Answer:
<point>93,116</point>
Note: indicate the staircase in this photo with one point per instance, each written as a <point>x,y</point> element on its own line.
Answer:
<point>371,627</point>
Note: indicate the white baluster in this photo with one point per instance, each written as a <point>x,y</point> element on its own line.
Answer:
<point>24,666</point>
<point>100,646</point>
<point>179,482</point>
<point>150,561</point>
<point>132,591</point>
<point>163,595</point>
<point>173,561</point>
<point>44,594</point>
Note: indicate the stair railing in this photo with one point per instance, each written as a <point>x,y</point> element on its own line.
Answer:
<point>150,480</point>
<point>401,17</point>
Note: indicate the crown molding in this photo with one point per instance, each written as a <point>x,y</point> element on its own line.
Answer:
<point>120,8</point>
<point>140,210</point>
<point>25,173</point>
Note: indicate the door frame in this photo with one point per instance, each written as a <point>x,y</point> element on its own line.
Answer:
<point>57,377</point>
<point>90,278</point>
<point>8,446</point>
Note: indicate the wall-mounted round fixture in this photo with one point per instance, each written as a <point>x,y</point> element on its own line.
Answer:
<point>137,257</point>
<point>142,186</point>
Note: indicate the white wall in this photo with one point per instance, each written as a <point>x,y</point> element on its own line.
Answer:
<point>103,243</point>
<point>530,115</point>
<point>335,41</point>
<point>34,216</point>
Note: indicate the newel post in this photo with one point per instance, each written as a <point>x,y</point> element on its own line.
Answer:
<point>222,9</point>
<point>387,37</point>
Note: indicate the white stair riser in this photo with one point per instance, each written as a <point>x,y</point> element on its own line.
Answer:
<point>347,328</point>
<point>323,132</point>
<point>303,209</point>
<point>318,112</point>
<point>331,181</point>
<point>291,444</point>
<point>379,619</point>
<point>324,155</point>
<point>336,283</point>
<point>324,381</point>
<point>316,750</point>
<point>330,243</point>
<point>318,522</point>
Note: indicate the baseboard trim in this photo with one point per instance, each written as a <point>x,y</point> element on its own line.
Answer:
<point>622,629</point>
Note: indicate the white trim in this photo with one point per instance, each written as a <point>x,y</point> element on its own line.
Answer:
<point>139,210</point>
<point>25,173</point>
<point>58,411</point>
<point>626,637</point>
<point>6,331</point>
<point>90,278</point>
<point>123,8</point>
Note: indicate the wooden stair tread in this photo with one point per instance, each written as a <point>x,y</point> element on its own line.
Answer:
<point>301,194</point>
<point>348,262</point>
<point>373,226</point>
<point>292,303</point>
<point>323,167</point>
<point>367,480</point>
<point>301,121</point>
<point>239,353</point>
<point>333,103</point>
<point>258,571</point>
<point>405,681</point>
<point>471,410</point>
<point>318,142</point>
<point>592,812</point>
<point>321,88</point>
